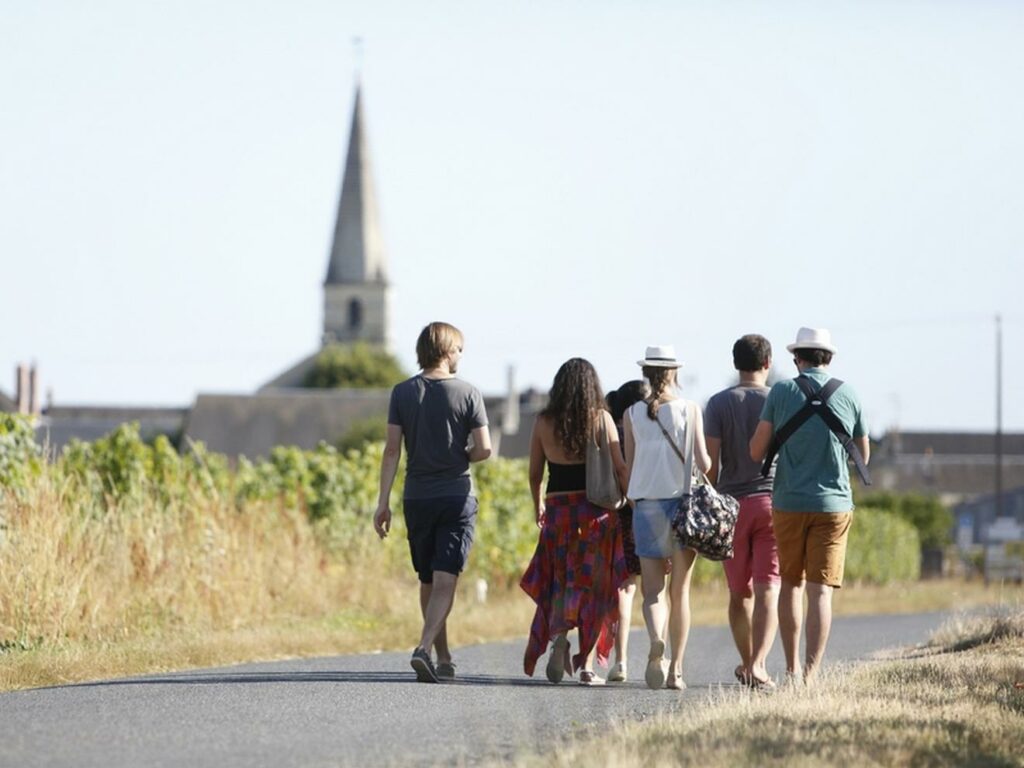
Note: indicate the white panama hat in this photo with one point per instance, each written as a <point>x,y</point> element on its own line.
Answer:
<point>813,338</point>
<point>660,357</point>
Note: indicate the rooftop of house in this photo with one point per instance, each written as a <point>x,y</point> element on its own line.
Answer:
<point>897,442</point>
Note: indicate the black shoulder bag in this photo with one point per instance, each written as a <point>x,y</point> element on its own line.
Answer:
<point>704,519</point>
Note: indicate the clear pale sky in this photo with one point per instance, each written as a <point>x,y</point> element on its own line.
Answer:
<point>557,179</point>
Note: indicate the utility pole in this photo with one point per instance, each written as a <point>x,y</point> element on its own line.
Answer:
<point>999,415</point>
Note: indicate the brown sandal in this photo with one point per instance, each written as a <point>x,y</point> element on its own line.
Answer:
<point>742,675</point>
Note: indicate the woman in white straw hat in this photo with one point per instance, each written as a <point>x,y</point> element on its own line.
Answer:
<point>664,437</point>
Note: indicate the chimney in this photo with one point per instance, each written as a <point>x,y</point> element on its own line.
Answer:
<point>21,385</point>
<point>510,419</point>
<point>33,390</point>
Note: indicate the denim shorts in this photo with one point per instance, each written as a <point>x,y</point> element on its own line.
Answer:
<point>440,533</point>
<point>652,528</point>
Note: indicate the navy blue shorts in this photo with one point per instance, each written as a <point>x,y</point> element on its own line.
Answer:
<point>440,533</point>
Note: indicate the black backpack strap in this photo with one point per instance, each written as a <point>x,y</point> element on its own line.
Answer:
<point>816,400</point>
<point>817,403</point>
<point>846,440</point>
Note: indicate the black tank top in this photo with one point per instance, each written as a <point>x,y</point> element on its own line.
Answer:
<point>563,478</point>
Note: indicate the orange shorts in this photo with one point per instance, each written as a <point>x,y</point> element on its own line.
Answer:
<point>812,544</point>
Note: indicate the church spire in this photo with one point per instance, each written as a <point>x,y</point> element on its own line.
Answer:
<point>357,253</point>
<point>356,293</point>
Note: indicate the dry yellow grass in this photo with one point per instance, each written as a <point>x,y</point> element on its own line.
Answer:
<point>87,593</point>
<point>960,702</point>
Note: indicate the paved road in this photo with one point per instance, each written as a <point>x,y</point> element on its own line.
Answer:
<point>365,710</point>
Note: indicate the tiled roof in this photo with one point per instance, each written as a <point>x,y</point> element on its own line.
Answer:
<point>952,443</point>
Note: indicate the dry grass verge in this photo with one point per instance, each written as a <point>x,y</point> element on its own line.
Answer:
<point>960,701</point>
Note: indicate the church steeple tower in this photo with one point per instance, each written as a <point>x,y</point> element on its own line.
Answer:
<point>356,289</point>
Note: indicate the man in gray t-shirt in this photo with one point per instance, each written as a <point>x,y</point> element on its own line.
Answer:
<point>443,425</point>
<point>437,416</point>
<point>752,573</point>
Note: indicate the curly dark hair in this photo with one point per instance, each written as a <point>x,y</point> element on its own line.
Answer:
<point>573,405</point>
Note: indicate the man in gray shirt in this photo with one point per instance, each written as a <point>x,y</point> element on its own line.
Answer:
<point>753,571</point>
<point>443,425</point>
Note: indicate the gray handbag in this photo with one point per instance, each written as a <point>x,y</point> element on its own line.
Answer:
<point>602,484</point>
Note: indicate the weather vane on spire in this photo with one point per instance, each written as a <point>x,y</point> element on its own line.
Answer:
<point>357,53</point>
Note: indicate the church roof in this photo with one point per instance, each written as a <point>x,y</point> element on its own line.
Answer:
<point>357,253</point>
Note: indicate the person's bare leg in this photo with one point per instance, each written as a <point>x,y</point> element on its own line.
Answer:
<point>439,605</point>
<point>626,592</point>
<point>764,625</point>
<point>441,640</point>
<point>679,605</point>
<point>652,588</point>
<point>791,598</point>
<point>740,610</point>
<point>819,624</point>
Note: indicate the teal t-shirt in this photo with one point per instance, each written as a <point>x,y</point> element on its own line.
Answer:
<point>812,474</point>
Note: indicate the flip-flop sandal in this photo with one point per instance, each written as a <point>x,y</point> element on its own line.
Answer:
<point>675,682</point>
<point>655,674</point>
<point>764,686</point>
<point>742,675</point>
<point>556,661</point>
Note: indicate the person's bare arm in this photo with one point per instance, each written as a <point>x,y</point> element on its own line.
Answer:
<point>388,470</point>
<point>618,462</point>
<point>761,440</point>
<point>700,448</point>
<point>480,444</point>
<point>627,431</point>
<point>864,446</point>
<point>714,445</point>
<point>536,471</point>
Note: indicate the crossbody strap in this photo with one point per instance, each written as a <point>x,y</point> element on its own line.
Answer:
<point>687,459</point>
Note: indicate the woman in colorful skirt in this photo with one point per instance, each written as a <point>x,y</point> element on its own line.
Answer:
<point>657,430</point>
<point>578,565</point>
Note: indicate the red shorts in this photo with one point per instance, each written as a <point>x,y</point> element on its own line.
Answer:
<point>755,558</point>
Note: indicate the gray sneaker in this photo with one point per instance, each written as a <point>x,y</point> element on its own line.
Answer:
<point>425,672</point>
<point>446,670</point>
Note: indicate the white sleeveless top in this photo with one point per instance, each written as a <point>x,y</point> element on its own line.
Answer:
<point>657,471</point>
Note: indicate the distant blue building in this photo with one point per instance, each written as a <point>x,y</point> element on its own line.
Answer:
<point>976,519</point>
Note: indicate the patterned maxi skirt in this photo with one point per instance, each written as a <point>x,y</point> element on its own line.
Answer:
<point>574,577</point>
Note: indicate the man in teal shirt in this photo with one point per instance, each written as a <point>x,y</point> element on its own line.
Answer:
<point>812,503</point>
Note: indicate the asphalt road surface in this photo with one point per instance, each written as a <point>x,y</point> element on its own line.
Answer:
<point>368,709</point>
